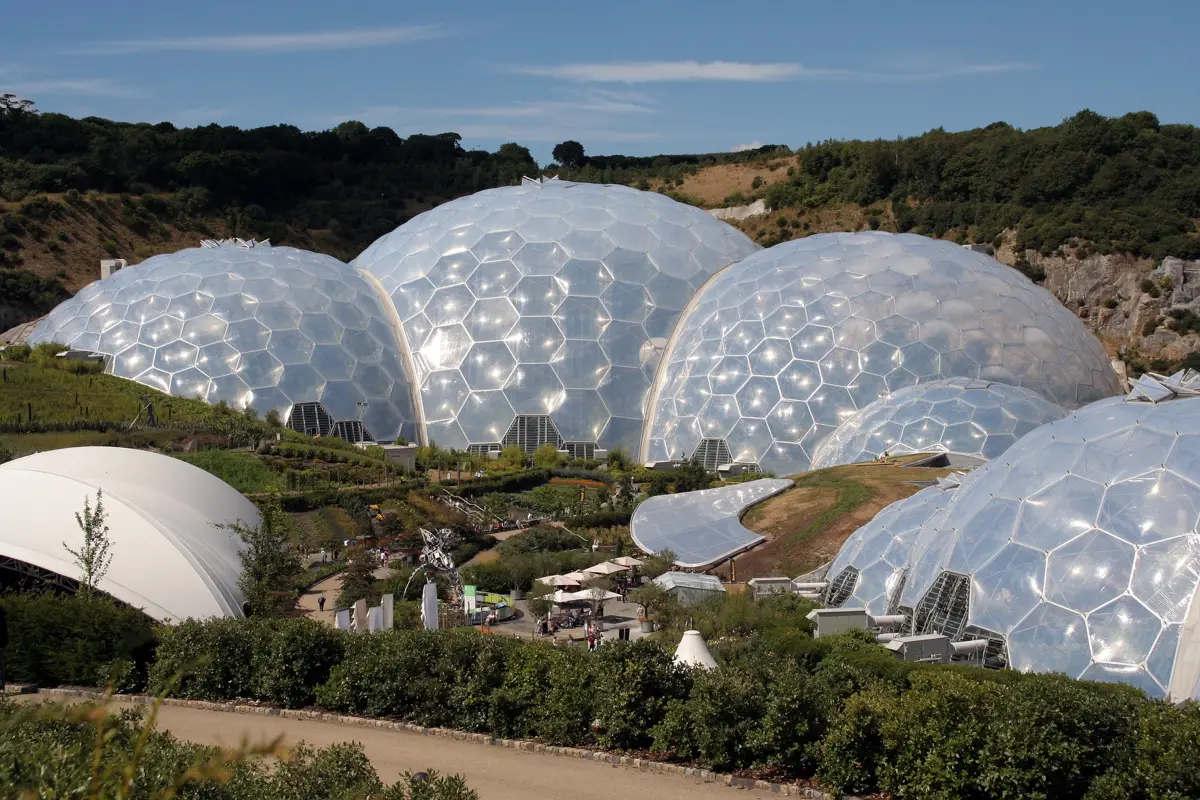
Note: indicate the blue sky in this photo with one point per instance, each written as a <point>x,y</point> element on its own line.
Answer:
<point>621,77</point>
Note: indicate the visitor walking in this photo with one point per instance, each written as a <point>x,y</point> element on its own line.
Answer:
<point>321,603</point>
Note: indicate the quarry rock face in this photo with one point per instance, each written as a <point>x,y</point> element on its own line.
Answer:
<point>1089,285</point>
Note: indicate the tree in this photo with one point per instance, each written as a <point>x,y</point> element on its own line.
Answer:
<point>273,418</point>
<point>569,154</point>
<point>655,599</point>
<point>513,457</point>
<point>94,557</point>
<point>12,106</point>
<point>690,476</point>
<point>358,581</point>
<point>269,563</point>
<point>546,456</point>
<point>539,601</point>
<point>618,458</point>
<point>657,564</point>
<point>598,587</point>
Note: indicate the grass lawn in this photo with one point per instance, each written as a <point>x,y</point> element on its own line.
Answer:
<point>241,470</point>
<point>807,525</point>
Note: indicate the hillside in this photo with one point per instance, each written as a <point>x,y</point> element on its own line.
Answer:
<point>1090,207</point>
<point>806,525</point>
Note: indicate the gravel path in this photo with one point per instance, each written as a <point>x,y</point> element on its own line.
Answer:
<point>496,773</point>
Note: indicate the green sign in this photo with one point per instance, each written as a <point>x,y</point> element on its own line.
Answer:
<point>468,591</point>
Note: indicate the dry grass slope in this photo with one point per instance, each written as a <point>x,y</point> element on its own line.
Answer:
<point>806,525</point>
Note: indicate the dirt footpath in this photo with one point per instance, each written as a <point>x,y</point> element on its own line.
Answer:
<point>495,773</point>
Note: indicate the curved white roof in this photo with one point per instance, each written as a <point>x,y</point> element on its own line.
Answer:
<point>168,558</point>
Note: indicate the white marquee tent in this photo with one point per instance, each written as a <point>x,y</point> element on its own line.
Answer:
<point>168,558</point>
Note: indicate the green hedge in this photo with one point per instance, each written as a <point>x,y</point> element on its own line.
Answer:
<point>70,640</point>
<point>280,661</point>
<point>839,709</point>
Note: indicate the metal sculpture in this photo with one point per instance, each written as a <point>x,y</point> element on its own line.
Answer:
<point>435,557</point>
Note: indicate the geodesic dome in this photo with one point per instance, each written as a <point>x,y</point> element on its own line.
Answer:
<point>1077,550</point>
<point>868,571</point>
<point>780,350</point>
<point>253,325</point>
<point>536,313</point>
<point>963,416</point>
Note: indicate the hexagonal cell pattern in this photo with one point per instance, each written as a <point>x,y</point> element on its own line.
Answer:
<point>878,552</point>
<point>261,326</point>
<point>1081,542</point>
<point>840,320</point>
<point>588,279</point>
<point>963,416</point>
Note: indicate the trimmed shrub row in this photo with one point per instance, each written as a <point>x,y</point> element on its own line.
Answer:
<point>838,709</point>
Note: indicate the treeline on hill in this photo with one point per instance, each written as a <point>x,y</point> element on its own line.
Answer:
<point>352,179</point>
<point>781,704</point>
<point>1126,184</point>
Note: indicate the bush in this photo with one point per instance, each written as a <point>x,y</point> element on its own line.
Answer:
<point>637,682</point>
<point>61,639</point>
<point>280,661</point>
<point>52,751</point>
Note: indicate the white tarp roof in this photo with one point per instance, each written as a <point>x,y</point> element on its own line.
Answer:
<point>605,568</point>
<point>167,557</point>
<point>701,527</point>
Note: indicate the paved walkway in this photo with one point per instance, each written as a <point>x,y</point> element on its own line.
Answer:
<point>330,587</point>
<point>495,773</point>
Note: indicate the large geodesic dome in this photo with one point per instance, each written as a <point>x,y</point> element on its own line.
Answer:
<point>780,350</point>
<point>869,570</point>
<point>1077,551</point>
<point>253,325</point>
<point>960,416</point>
<point>536,313</point>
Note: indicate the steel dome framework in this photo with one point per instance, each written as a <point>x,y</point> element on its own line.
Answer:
<point>252,325</point>
<point>551,299</point>
<point>1076,551</point>
<point>779,351</point>
<point>963,416</point>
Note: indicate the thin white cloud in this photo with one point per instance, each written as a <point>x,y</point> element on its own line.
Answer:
<point>665,71</point>
<point>609,103</point>
<point>86,87</point>
<point>737,148</point>
<point>268,42</point>
<point>942,73</point>
<point>633,72</point>
<point>553,133</point>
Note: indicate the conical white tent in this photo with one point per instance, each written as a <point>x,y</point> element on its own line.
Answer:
<point>693,652</point>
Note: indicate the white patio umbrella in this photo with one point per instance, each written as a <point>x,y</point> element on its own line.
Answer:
<point>565,580</point>
<point>577,576</point>
<point>549,579</point>
<point>605,568</point>
<point>591,595</point>
<point>561,597</point>
<point>627,561</point>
